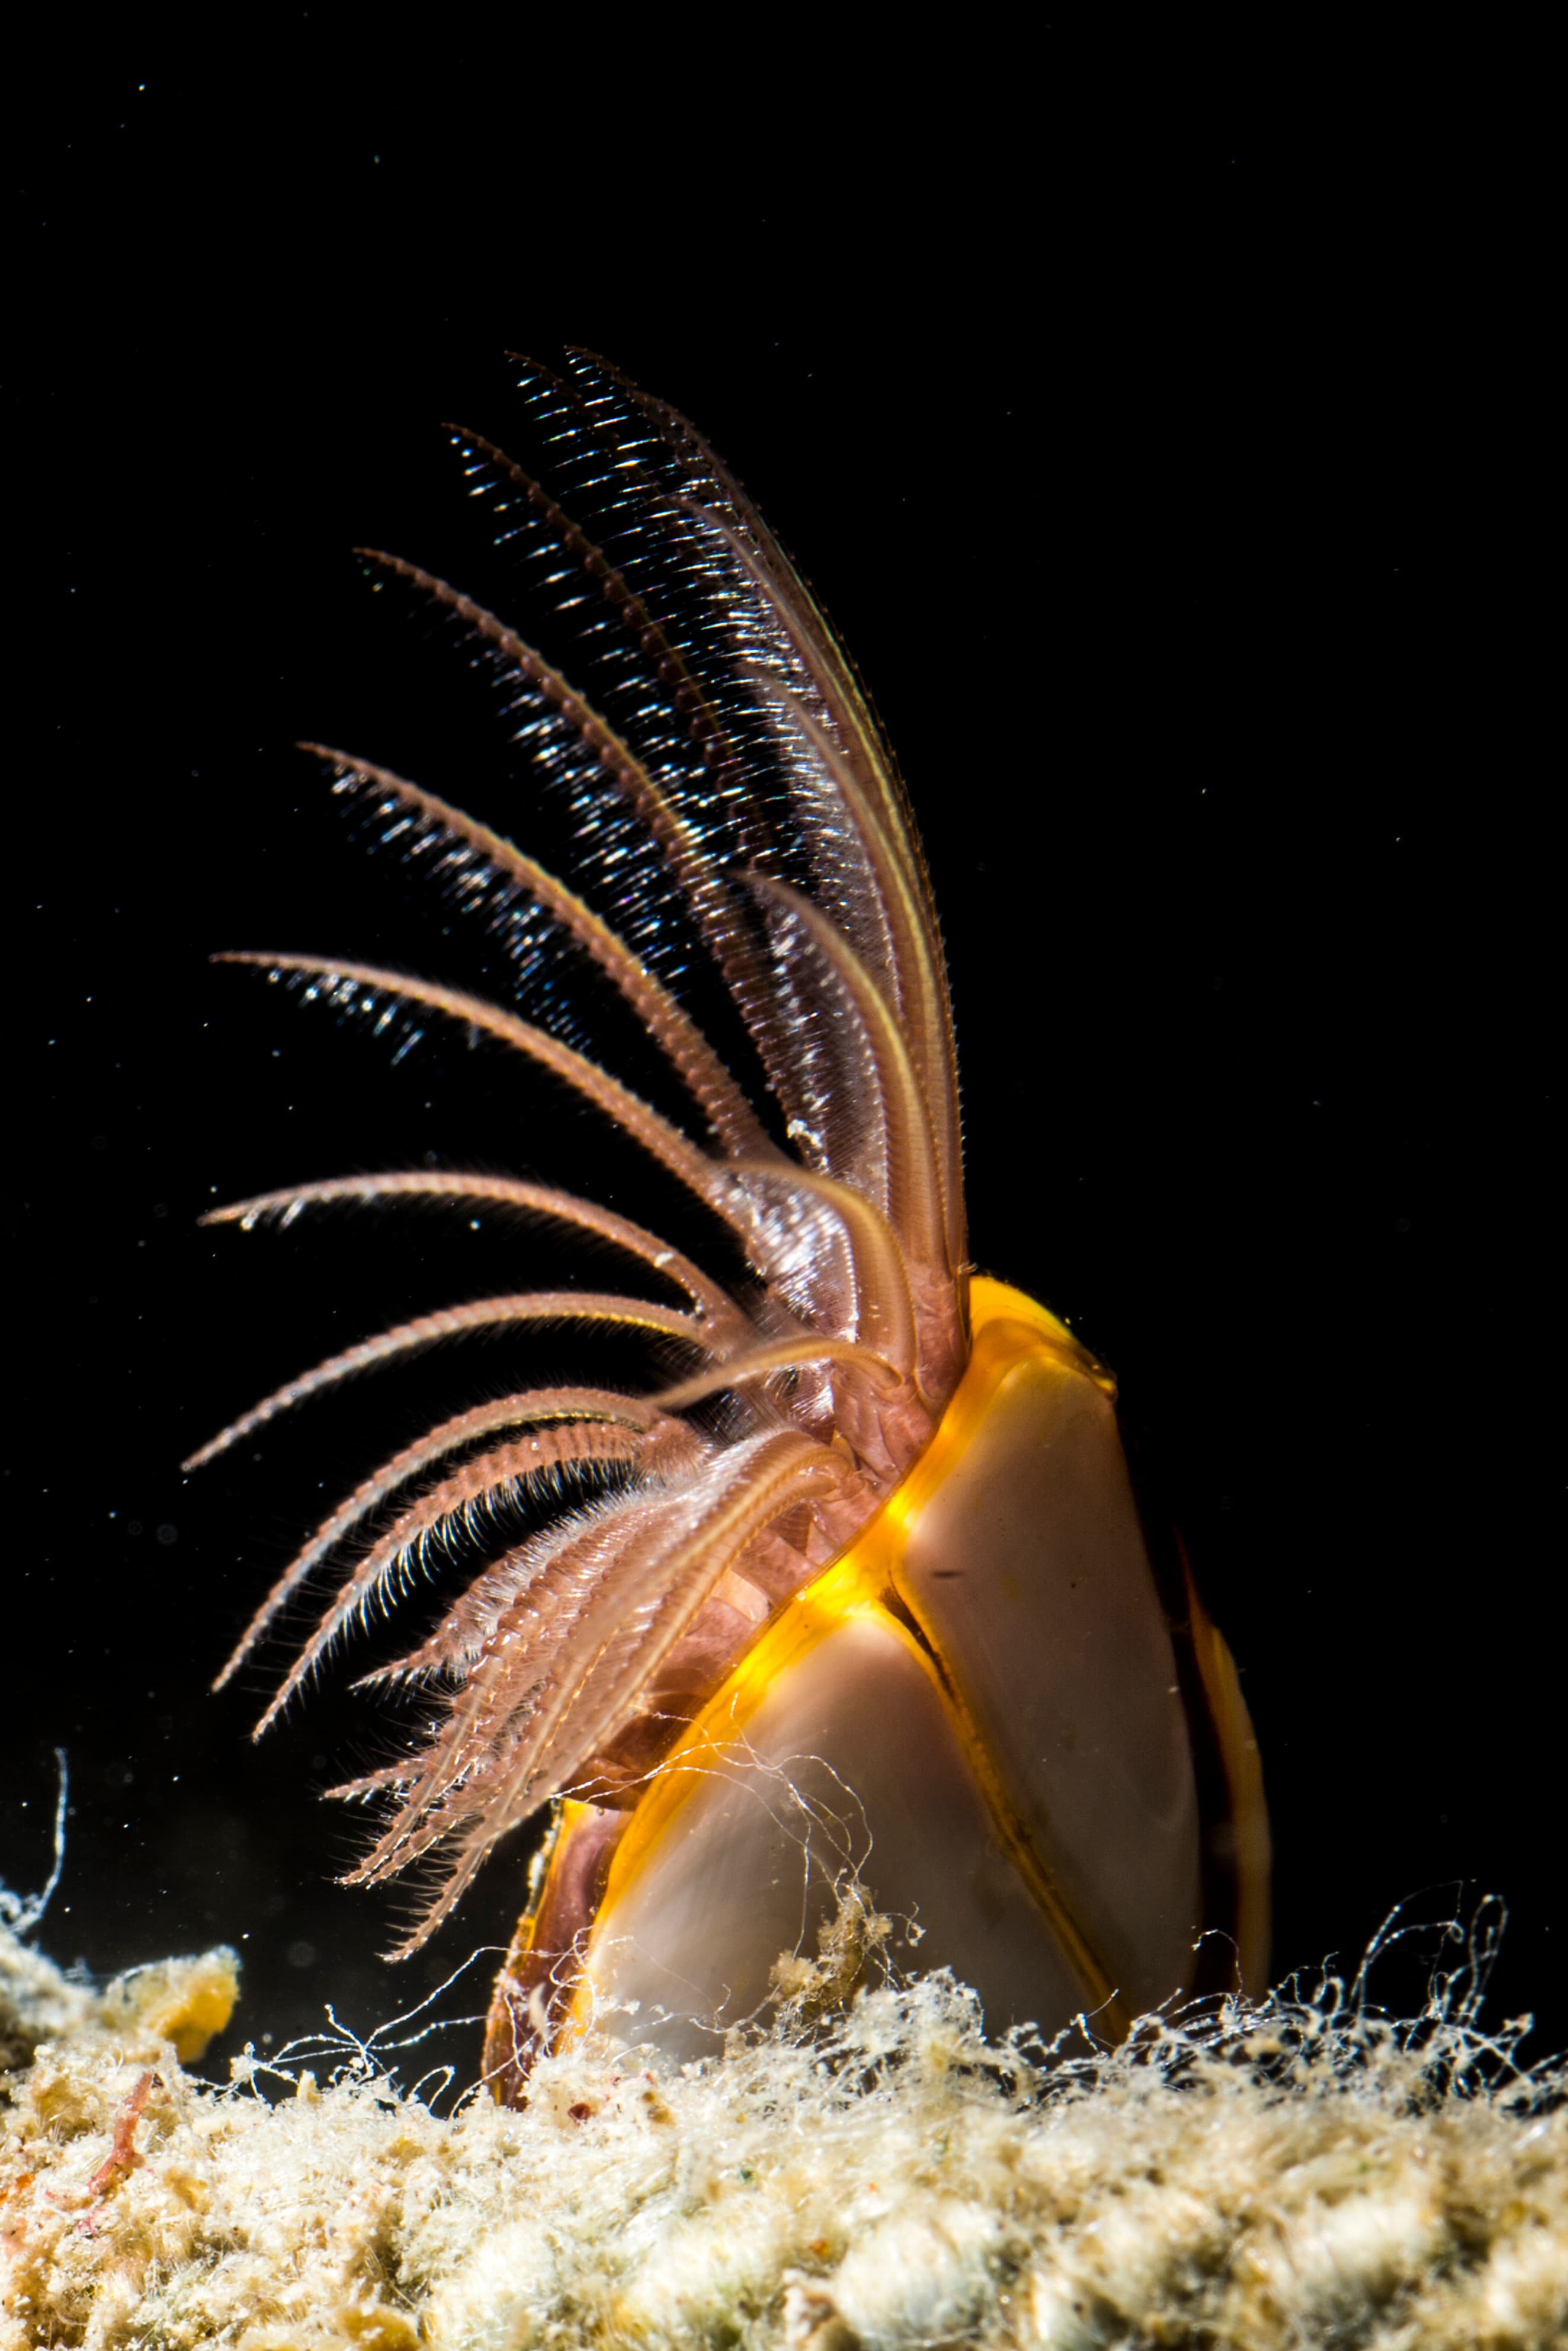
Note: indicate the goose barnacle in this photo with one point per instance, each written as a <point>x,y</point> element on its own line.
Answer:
<point>863,1594</point>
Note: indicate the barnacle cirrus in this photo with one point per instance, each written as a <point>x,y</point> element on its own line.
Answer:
<point>907,1554</point>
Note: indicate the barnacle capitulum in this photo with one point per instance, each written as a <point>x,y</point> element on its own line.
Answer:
<point>869,1599</point>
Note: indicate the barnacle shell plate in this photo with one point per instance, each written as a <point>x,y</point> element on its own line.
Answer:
<point>978,1710</point>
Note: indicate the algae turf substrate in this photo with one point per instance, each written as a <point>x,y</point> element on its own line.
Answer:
<point>1304,2169</point>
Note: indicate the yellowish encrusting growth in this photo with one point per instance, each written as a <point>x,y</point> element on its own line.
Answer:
<point>183,2002</point>
<point>1270,2174</point>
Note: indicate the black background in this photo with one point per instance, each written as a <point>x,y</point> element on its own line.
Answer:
<point>1165,450</point>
